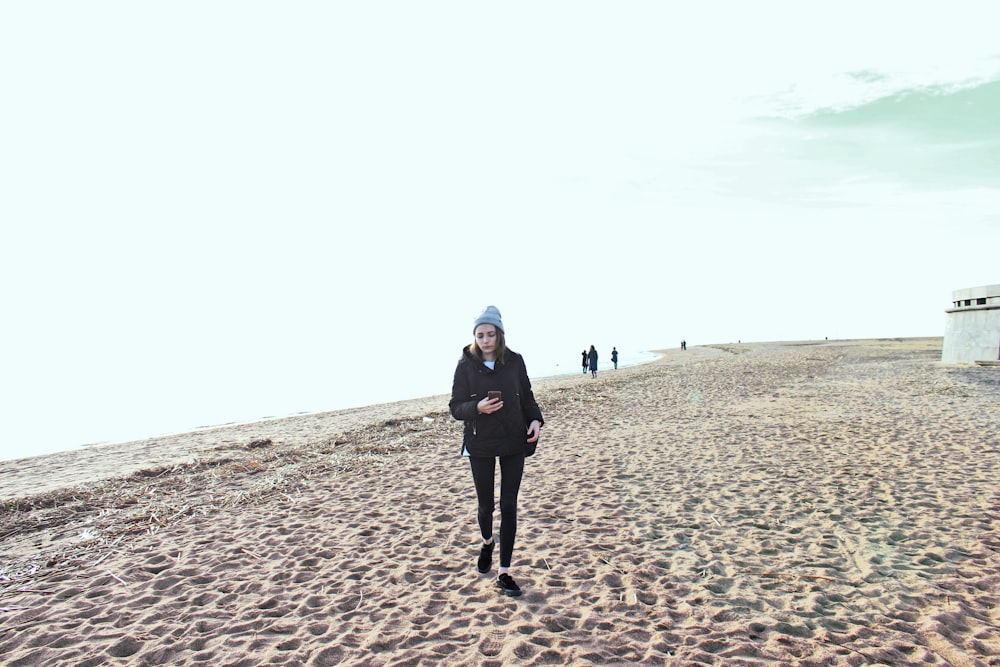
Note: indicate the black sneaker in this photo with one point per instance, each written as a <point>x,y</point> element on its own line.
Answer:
<point>507,585</point>
<point>486,557</point>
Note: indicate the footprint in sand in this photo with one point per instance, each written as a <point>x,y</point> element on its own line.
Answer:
<point>493,644</point>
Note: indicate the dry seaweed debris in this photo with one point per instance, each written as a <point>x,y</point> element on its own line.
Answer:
<point>83,524</point>
<point>80,523</point>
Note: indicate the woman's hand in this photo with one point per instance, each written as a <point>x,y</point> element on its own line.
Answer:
<point>488,406</point>
<point>534,430</point>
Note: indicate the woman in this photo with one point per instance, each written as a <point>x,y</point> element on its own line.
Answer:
<point>492,395</point>
<point>593,362</point>
<point>586,362</point>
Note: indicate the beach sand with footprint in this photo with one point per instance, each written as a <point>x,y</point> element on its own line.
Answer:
<point>814,503</point>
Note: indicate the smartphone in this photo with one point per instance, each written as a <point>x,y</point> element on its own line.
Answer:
<point>493,394</point>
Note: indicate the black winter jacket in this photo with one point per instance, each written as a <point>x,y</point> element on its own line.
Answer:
<point>505,432</point>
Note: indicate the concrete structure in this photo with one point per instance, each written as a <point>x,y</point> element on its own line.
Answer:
<point>972,330</point>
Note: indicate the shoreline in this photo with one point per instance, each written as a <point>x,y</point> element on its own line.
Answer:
<point>142,436</point>
<point>81,465</point>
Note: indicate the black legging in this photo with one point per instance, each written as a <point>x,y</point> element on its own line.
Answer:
<point>484,475</point>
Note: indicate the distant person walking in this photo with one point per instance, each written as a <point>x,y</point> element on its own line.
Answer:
<point>614,357</point>
<point>684,345</point>
<point>586,362</point>
<point>492,395</point>
<point>592,359</point>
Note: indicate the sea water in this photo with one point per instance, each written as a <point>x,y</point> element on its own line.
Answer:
<point>112,413</point>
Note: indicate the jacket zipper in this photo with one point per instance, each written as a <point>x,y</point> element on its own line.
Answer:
<point>475,422</point>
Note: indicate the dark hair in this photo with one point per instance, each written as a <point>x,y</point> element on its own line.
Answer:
<point>501,347</point>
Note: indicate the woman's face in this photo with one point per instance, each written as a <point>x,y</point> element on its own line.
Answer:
<point>486,339</point>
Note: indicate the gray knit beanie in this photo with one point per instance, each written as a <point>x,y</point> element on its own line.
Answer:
<point>490,316</point>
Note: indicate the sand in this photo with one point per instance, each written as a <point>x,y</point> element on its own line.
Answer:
<point>815,503</point>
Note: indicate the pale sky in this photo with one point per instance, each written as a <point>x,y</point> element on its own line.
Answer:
<point>218,211</point>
